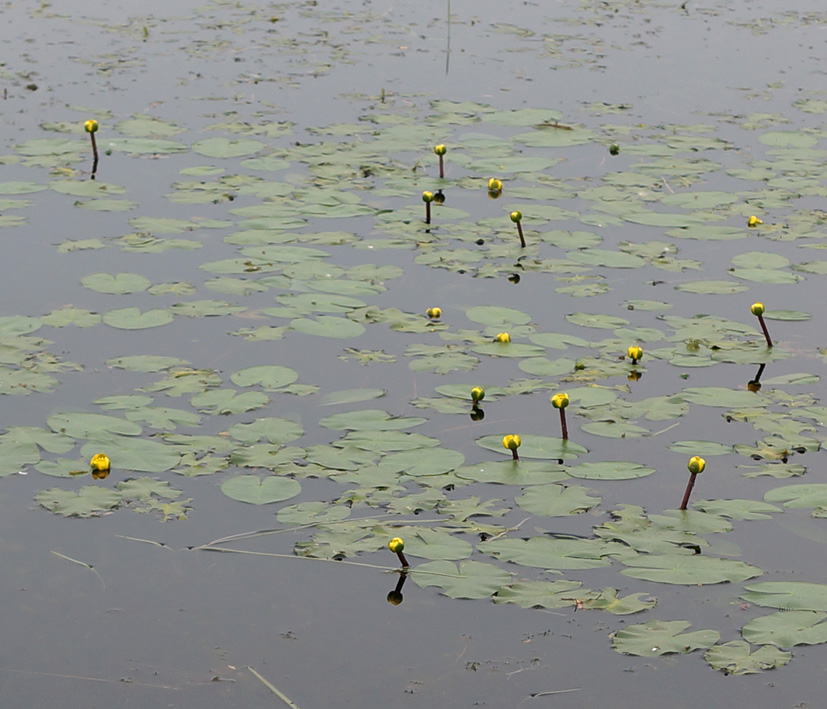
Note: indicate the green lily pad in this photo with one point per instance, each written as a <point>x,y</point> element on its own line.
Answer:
<point>436,544</point>
<point>81,424</point>
<point>609,470</point>
<point>495,316</point>
<point>737,509</point>
<point>541,594</point>
<point>606,322</point>
<point>788,595</point>
<point>134,319</point>
<point>132,453</point>
<point>328,326</point>
<point>700,448</point>
<point>787,629</point>
<point>513,472</point>
<point>736,658</point>
<point>269,377</point>
<point>557,500</point>
<point>659,637</point>
<point>275,430</point>
<point>689,569</point>
<point>552,553</point>
<point>370,420</point>
<point>471,579</point>
<point>260,491</point>
<point>723,397</point>
<point>227,148</point>
<point>89,501</point>
<point>800,496</point>
<point>312,513</point>
<point>118,284</point>
<point>533,446</point>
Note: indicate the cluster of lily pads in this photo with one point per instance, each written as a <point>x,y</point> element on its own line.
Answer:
<point>391,482</point>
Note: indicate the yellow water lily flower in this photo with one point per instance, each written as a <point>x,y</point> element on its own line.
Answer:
<point>696,465</point>
<point>512,441</point>
<point>753,221</point>
<point>427,197</point>
<point>503,337</point>
<point>100,461</point>
<point>635,352</point>
<point>757,309</point>
<point>396,545</point>
<point>91,126</point>
<point>440,149</point>
<point>434,313</point>
<point>560,401</point>
<point>477,394</point>
<point>495,185</point>
<point>516,217</point>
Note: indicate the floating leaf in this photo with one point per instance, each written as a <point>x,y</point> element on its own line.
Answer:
<point>472,579</point>
<point>312,513</point>
<point>134,319</point>
<point>788,595</point>
<point>536,447</point>
<point>541,594</point>
<point>557,500</point>
<point>260,491</point>
<point>89,501</point>
<point>689,570</point>
<point>117,284</point>
<point>787,629</point>
<point>552,553</point>
<point>735,658</point>
<point>659,637</point>
<point>370,420</point>
<point>269,376</point>
<point>737,509</point>
<point>609,470</point>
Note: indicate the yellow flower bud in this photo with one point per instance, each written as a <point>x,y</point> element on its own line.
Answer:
<point>427,197</point>
<point>434,313</point>
<point>396,545</point>
<point>91,126</point>
<point>100,461</point>
<point>757,309</point>
<point>753,221</point>
<point>477,394</point>
<point>440,149</point>
<point>495,185</point>
<point>560,401</point>
<point>503,337</point>
<point>635,352</point>
<point>511,441</point>
<point>516,217</point>
<point>696,464</point>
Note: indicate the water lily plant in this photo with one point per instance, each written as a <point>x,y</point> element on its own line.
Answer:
<point>477,394</point>
<point>696,466</point>
<point>517,218</point>
<point>512,443</point>
<point>440,150</point>
<point>757,310</point>
<point>396,545</point>
<point>635,352</point>
<point>91,127</point>
<point>434,313</point>
<point>561,401</point>
<point>427,197</point>
<point>502,337</point>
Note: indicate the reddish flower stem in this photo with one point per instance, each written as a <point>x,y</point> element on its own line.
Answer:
<point>764,328</point>
<point>514,454</point>
<point>688,491</point>
<point>520,232</point>
<point>402,560</point>
<point>563,427</point>
<point>441,168</point>
<point>94,155</point>
<point>427,212</point>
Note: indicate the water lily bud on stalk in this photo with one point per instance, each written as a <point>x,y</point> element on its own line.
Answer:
<point>753,222</point>
<point>757,310</point>
<point>614,149</point>
<point>477,394</point>
<point>427,197</point>
<point>696,466</point>
<point>561,401</point>
<point>512,443</point>
<point>91,127</point>
<point>517,218</point>
<point>434,313</point>
<point>440,150</point>
<point>396,545</point>
<point>503,337</point>
<point>495,188</point>
<point>635,352</point>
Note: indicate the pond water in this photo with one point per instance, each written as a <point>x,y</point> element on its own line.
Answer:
<point>234,311</point>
